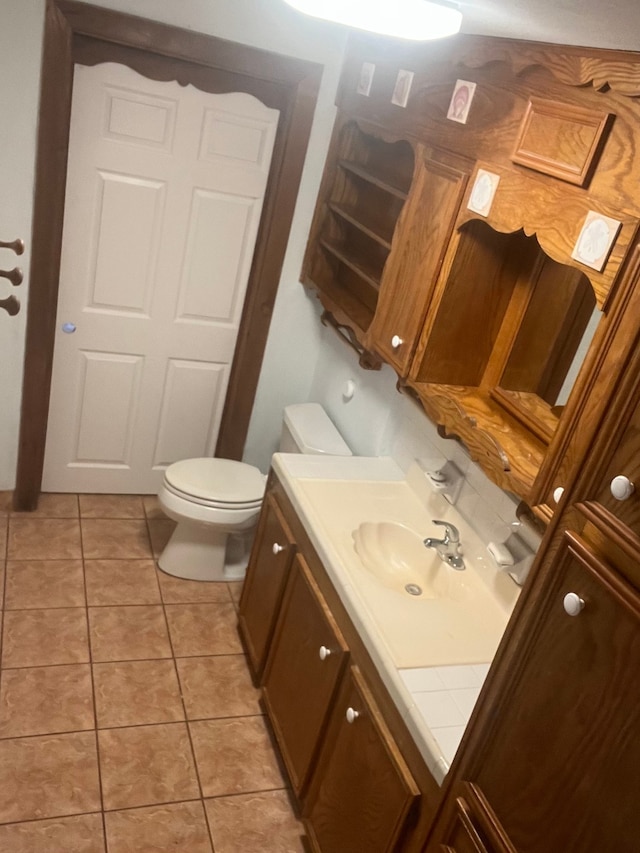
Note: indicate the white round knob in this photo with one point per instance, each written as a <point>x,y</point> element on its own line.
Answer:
<point>324,652</point>
<point>396,341</point>
<point>572,603</point>
<point>622,488</point>
<point>351,715</point>
<point>277,548</point>
<point>557,494</point>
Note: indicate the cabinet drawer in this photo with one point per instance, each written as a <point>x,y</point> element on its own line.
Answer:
<point>267,572</point>
<point>305,663</point>
<point>362,790</point>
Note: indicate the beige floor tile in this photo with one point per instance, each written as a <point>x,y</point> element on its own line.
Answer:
<point>203,629</point>
<point>235,590</point>
<point>146,765</point>
<point>160,530</point>
<point>46,700</point>
<point>4,525</point>
<point>182,591</point>
<point>137,692</point>
<point>45,637</point>
<point>254,823</point>
<point>235,756</point>
<point>79,834</point>
<point>44,583</point>
<point>217,686</point>
<point>121,582</point>
<point>128,633</point>
<point>111,506</point>
<point>50,776</point>
<point>52,506</point>
<point>152,508</point>
<point>2,574</point>
<point>178,828</point>
<point>115,539</point>
<point>6,500</point>
<point>44,539</point>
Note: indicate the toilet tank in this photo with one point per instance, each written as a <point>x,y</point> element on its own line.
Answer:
<point>307,428</point>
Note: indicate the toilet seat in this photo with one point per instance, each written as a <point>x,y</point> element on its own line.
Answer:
<point>216,483</point>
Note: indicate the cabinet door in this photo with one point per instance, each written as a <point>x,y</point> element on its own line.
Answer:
<point>625,462</point>
<point>271,557</point>
<point>418,249</point>
<point>362,790</point>
<point>472,827</point>
<point>304,666</point>
<point>562,765</point>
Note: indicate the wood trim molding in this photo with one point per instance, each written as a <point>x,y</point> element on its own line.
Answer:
<point>583,134</point>
<point>613,69</point>
<point>77,30</point>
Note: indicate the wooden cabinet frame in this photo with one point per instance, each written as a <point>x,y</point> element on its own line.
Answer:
<point>567,113</point>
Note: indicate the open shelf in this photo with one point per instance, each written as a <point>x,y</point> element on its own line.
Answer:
<point>351,239</point>
<point>379,180</point>
<point>369,222</point>
<point>368,275</point>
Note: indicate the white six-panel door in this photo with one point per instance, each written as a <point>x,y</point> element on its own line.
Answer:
<point>164,194</point>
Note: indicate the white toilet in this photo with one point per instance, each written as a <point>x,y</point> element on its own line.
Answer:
<point>216,502</point>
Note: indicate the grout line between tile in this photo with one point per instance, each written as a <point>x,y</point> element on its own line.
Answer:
<point>93,687</point>
<point>92,663</point>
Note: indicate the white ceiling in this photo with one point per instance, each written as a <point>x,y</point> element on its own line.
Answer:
<point>597,23</point>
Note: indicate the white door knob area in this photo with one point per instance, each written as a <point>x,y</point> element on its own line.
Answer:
<point>351,715</point>
<point>557,494</point>
<point>277,548</point>
<point>396,341</point>
<point>573,604</point>
<point>622,488</point>
<point>324,652</point>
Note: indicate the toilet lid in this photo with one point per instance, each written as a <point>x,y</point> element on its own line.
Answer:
<point>223,481</point>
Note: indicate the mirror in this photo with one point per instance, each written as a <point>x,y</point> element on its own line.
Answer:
<point>558,320</point>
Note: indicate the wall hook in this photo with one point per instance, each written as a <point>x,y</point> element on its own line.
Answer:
<point>15,275</point>
<point>11,305</point>
<point>16,246</point>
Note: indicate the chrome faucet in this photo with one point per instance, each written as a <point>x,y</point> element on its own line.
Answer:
<point>449,546</point>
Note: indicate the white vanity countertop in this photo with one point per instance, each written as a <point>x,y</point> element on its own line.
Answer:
<point>428,668</point>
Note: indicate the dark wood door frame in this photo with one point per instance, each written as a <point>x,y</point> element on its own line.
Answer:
<point>77,32</point>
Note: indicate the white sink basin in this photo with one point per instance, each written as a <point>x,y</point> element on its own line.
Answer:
<point>369,536</point>
<point>398,559</point>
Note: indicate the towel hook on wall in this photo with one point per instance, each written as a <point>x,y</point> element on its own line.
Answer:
<point>16,246</point>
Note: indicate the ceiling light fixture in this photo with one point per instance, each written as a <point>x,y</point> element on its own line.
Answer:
<point>418,20</point>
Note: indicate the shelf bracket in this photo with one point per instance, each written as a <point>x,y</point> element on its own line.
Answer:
<point>367,360</point>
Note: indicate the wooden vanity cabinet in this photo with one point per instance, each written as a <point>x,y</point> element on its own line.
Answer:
<point>361,784</point>
<point>306,660</point>
<point>555,752</point>
<point>267,572</point>
<point>362,789</point>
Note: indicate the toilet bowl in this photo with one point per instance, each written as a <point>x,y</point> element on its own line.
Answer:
<point>216,502</point>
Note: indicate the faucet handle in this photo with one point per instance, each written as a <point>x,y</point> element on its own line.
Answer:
<point>451,531</point>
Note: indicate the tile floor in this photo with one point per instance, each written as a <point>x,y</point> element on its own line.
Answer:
<point>128,720</point>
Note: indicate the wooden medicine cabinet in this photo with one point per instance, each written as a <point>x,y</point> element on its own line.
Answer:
<point>502,346</point>
<point>492,315</point>
<point>365,189</point>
